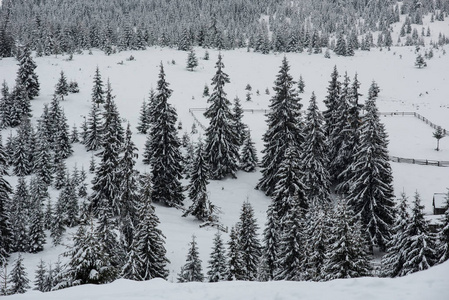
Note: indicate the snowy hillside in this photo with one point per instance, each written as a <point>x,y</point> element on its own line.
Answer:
<point>430,284</point>
<point>404,88</point>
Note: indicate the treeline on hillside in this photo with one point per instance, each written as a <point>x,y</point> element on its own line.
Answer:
<point>50,27</point>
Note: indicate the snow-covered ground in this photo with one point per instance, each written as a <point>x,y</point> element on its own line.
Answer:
<point>403,88</point>
<point>431,284</point>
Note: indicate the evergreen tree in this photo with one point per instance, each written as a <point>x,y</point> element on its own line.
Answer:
<point>166,156</point>
<point>217,263</point>
<point>248,158</point>
<point>340,47</point>
<point>143,124</point>
<point>36,227</point>
<point>26,75</point>
<point>249,244</point>
<point>62,87</point>
<point>240,127</point>
<point>316,233</point>
<point>443,236</point>
<point>301,85</point>
<point>393,261</point>
<point>74,135</point>
<point>62,145</point>
<point>331,101</point>
<point>88,262</point>
<point>57,228</point>
<point>18,278</point>
<point>192,61</point>
<point>192,270</point>
<point>18,216</point>
<point>270,251</point>
<point>106,183</point>
<point>419,251</point>
<point>371,190</point>
<point>5,191</point>
<point>128,189</point>
<point>43,167</point>
<point>201,206</point>
<point>97,90</point>
<point>235,260</point>
<point>346,255</point>
<point>22,155</point>
<point>221,138</point>
<point>284,129</point>
<point>148,238</point>
<point>289,188</point>
<point>93,133</point>
<point>40,276</point>
<point>316,177</point>
<point>292,244</point>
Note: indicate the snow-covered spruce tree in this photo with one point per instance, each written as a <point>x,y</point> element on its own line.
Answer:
<point>40,276</point>
<point>132,267</point>
<point>88,262</point>
<point>22,155</point>
<point>346,256</point>
<point>62,87</point>
<point>270,247</point>
<point>143,125</point>
<point>371,190</point>
<point>111,116</point>
<point>235,260</point>
<point>192,270</point>
<point>419,251</point>
<point>316,234</point>
<point>18,217</point>
<point>5,191</point>
<point>248,158</point>
<point>60,171</point>
<point>192,61</point>
<point>201,207</point>
<point>221,138</point>
<point>301,84</point>
<point>339,133</point>
<point>240,127</point>
<point>5,105</point>
<point>314,157</point>
<point>291,246</point>
<point>166,161</point>
<point>443,236</point>
<point>70,198</point>
<point>340,47</point>
<point>249,244</point>
<point>128,190</point>
<point>18,278</point>
<point>148,239</point>
<point>331,101</point>
<point>74,135</point>
<point>93,137</point>
<point>284,128</point>
<point>106,183</point>
<point>36,224</point>
<point>185,42</point>
<point>217,263</point>
<point>393,260</point>
<point>97,90</point>
<point>26,75</point>
<point>43,167</point>
<point>62,146</point>
<point>57,227</point>
<point>289,187</point>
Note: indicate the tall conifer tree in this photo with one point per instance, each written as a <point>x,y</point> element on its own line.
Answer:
<point>284,128</point>
<point>221,138</point>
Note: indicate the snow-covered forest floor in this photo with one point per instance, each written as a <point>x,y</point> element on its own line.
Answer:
<point>404,88</point>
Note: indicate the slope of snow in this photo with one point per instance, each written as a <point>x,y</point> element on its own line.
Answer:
<point>431,284</point>
<point>403,88</point>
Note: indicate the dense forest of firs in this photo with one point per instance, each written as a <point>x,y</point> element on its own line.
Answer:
<point>64,26</point>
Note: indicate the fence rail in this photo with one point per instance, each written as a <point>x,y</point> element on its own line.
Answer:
<point>424,162</point>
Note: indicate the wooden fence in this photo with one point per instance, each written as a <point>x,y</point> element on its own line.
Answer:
<point>426,162</point>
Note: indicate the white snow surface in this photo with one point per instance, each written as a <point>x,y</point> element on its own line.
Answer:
<point>403,88</point>
<point>431,284</point>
